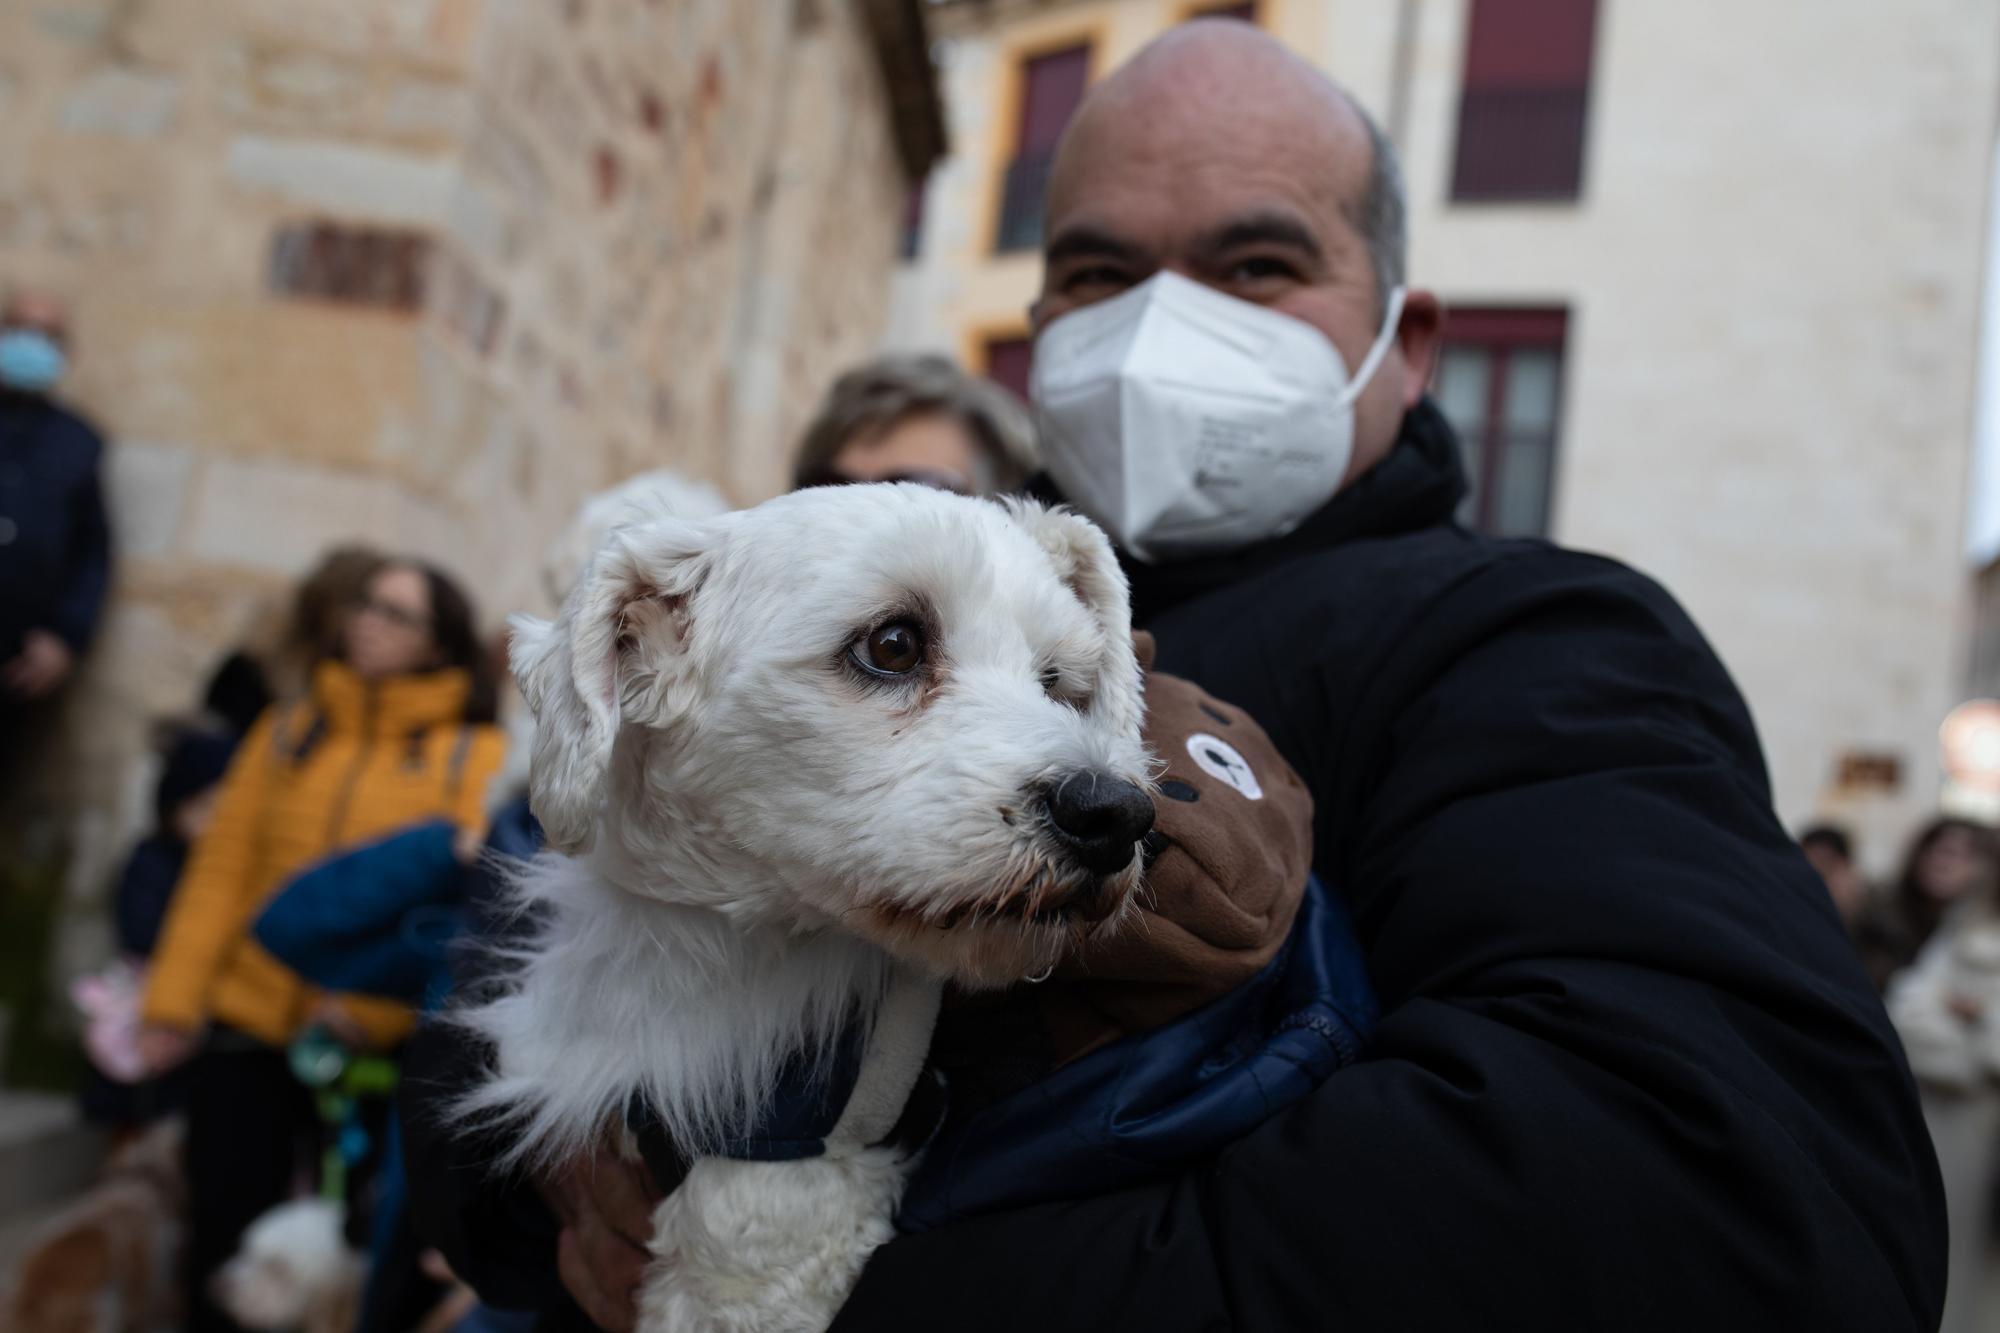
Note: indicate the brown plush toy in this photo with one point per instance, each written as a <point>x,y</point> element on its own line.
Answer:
<point>1227,862</point>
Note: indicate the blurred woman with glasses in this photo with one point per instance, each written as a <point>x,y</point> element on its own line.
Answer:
<point>920,419</point>
<point>396,728</point>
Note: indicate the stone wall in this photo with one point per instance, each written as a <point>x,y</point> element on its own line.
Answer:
<point>423,273</point>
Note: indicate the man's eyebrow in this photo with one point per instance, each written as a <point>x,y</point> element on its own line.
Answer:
<point>1082,238</point>
<point>1261,229</point>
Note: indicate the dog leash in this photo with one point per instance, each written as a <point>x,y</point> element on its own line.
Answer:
<point>339,1079</point>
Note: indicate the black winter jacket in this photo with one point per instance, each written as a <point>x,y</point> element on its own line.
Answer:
<point>55,544</point>
<point>1629,1073</point>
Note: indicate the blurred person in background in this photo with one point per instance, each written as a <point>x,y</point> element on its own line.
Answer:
<point>191,773</point>
<point>921,419</point>
<point>55,542</point>
<point>396,728</point>
<point>115,1090</point>
<point>1946,1006</point>
<point>1830,849</point>
<point>276,658</point>
<point>1946,861</point>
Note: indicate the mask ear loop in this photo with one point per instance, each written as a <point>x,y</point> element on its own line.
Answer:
<point>1391,319</point>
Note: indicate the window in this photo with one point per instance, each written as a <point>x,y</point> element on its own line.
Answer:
<point>333,261</point>
<point>1523,101</point>
<point>1499,383</point>
<point>1051,87</point>
<point>1009,361</point>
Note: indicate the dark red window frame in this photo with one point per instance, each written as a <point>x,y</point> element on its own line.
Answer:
<point>1524,102</point>
<point>1010,361</point>
<point>1502,333</point>
<point>1052,86</point>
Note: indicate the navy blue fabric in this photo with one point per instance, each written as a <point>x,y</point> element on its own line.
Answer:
<point>57,557</point>
<point>376,920</point>
<point>1153,1103</point>
<point>793,1125</point>
<point>144,890</point>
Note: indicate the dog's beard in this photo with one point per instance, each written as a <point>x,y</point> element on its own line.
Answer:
<point>994,938</point>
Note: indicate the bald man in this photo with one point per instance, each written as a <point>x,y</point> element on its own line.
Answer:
<point>55,554</point>
<point>1628,1073</point>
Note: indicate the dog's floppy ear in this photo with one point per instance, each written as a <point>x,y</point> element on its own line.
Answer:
<point>1084,560</point>
<point>574,673</point>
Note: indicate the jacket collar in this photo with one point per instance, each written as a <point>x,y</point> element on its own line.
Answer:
<point>392,707</point>
<point>1417,485</point>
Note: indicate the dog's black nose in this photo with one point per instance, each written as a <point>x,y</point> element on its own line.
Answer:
<point>1100,819</point>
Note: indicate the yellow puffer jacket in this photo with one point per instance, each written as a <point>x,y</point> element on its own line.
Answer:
<point>354,762</point>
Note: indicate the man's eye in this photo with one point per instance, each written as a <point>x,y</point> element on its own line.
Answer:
<point>1262,268</point>
<point>1096,277</point>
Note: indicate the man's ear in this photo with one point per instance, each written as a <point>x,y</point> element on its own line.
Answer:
<point>1419,337</point>
<point>1084,560</point>
<point>574,674</point>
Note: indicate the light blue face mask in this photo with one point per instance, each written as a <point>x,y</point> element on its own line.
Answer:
<point>30,360</point>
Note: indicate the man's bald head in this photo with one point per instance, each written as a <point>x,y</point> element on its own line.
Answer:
<point>1218,155</point>
<point>1215,70</point>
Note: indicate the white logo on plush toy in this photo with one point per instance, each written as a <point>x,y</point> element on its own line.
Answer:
<point>1219,759</point>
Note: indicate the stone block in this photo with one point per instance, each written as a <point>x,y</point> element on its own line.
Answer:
<point>427,108</point>
<point>146,491</point>
<point>269,514</point>
<point>347,180</point>
<point>304,379</point>
<point>126,103</point>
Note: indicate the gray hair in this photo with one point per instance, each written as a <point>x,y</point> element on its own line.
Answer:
<point>1382,215</point>
<point>872,398</point>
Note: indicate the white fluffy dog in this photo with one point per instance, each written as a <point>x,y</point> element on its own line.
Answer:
<point>293,1270</point>
<point>798,765</point>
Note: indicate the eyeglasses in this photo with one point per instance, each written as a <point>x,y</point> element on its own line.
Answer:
<point>396,615</point>
<point>935,478</point>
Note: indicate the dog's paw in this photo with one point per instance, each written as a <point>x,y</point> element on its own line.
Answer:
<point>766,1247</point>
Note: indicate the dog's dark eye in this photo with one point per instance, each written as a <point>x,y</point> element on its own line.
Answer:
<point>894,649</point>
<point>1050,679</point>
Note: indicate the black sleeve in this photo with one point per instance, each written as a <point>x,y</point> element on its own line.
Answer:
<point>493,1228</point>
<point>87,567</point>
<point>1629,1075</point>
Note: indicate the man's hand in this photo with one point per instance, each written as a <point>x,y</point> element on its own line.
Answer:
<point>162,1048</point>
<point>42,664</point>
<point>606,1208</point>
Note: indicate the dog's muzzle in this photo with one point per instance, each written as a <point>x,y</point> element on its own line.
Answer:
<point>1098,818</point>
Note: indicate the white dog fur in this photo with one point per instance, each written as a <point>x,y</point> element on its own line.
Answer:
<point>293,1270</point>
<point>757,841</point>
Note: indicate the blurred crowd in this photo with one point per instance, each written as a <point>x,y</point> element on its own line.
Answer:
<point>1930,940</point>
<point>319,825</point>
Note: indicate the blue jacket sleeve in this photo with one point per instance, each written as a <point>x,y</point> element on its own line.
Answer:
<point>345,923</point>
<point>88,569</point>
